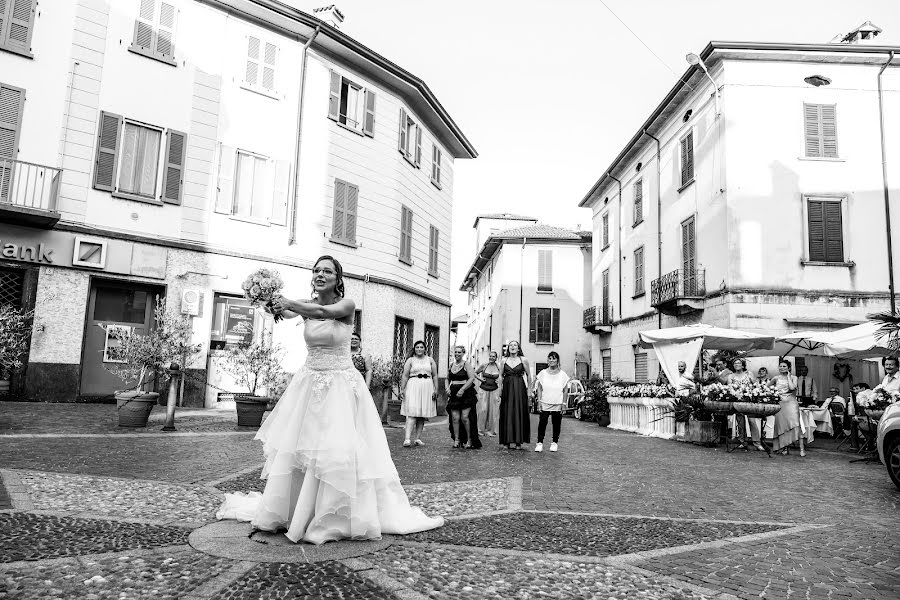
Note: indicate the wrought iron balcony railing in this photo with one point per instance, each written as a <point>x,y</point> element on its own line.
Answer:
<point>29,192</point>
<point>679,283</point>
<point>597,315</point>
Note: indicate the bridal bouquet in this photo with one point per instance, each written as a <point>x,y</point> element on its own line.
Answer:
<point>876,399</point>
<point>262,287</point>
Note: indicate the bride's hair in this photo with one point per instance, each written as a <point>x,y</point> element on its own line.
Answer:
<point>339,271</point>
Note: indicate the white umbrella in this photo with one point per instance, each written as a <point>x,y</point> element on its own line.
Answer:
<point>714,338</point>
<point>797,343</point>
<point>859,341</point>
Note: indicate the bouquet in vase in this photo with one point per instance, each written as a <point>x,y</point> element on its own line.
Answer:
<point>719,392</point>
<point>262,287</point>
<point>757,393</point>
<point>876,399</point>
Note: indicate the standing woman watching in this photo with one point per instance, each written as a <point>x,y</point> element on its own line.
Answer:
<point>787,420</point>
<point>739,377</point>
<point>489,401</point>
<point>461,400</point>
<point>362,363</point>
<point>417,393</point>
<point>551,386</point>
<point>515,421</point>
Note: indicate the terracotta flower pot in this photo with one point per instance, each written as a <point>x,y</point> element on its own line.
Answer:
<point>134,407</point>
<point>250,409</point>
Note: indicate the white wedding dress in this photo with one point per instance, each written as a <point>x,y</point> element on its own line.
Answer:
<point>328,468</point>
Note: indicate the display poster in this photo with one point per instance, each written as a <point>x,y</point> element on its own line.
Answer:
<point>239,325</point>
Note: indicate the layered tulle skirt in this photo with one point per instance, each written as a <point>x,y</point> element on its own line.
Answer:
<point>328,468</point>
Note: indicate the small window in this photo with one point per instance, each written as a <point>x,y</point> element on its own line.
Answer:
<point>544,326</point>
<point>687,159</point>
<point>139,163</point>
<point>352,105</point>
<point>607,365</point>
<point>638,201</point>
<point>545,271</point>
<point>826,230</point>
<point>432,339</point>
<point>154,30</point>
<point>639,272</point>
<point>640,368</point>
<point>232,322</point>
<point>403,338</point>
<point>820,130</point>
<point>433,243</point>
<point>260,68</point>
<point>252,187</point>
<point>17,25</point>
<point>406,222</point>
<point>605,231</point>
<point>436,158</point>
<point>346,203</point>
<point>250,200</point>
<point>410,144</point>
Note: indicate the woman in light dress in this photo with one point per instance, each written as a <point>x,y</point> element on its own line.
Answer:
<point>417,393</point>
<point>787,420</point>
<point>739,376</point>
<point>489,396</point>
<point>328,470</point>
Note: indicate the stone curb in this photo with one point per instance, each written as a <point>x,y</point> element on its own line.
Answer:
<point>82,558</point>
<point>364,568</point>
<point>216,584</point>
<point>234,475</point>
<point>18,491</point>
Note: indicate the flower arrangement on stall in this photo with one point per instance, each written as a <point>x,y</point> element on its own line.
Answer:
<point>756,393</point>
<point>876,399</point>
<point>262,287</point>
<point>719,392</point>
<point>644,390</point>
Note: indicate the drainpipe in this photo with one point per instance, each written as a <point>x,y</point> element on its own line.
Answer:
<point>521,287</point>
<point>292,225</point>
<point>658,218</point>
<point>884,175</point>
<point>618,240</point>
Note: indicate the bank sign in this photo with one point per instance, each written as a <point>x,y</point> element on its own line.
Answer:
<point>37,254</point>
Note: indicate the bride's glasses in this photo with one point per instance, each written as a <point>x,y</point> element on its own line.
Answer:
<point>323,271</point>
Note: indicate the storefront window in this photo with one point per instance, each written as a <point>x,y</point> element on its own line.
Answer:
<point>232,322</point>
<point>121,305</point>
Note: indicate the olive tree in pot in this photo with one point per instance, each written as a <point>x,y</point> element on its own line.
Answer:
<point>139,359</point>
<point>256,366</point>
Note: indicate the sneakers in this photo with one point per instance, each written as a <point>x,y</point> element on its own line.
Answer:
<point>554,447</point>
<point>539,447</point>
<point>420,443</point>
<point>407,443</point>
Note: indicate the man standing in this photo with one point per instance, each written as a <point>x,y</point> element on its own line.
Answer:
<point>807,393</point>
<point>685,384</point>
<point>891,381</point>
<point>722,371</point>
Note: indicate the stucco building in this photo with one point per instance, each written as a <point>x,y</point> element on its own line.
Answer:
<point>756,203</point>
<point>529,282</point>
<point>167,148</point>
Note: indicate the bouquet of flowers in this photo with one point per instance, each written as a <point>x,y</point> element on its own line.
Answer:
<point>719,392</point>
<point>756,393</point>
<point>876,399</point>
<point>262,287</point>
<point>645,390</point>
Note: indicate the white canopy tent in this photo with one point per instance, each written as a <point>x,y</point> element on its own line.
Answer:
<point>859,341</point>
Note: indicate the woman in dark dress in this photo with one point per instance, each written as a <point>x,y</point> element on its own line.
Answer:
<point>515,420</point>
<point>461,401</point>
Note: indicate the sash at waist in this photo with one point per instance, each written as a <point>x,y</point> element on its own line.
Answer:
<point>328,359</point>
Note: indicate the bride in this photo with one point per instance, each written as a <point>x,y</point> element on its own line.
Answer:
<point>328,468</point>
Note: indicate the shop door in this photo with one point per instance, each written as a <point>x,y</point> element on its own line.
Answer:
<point>119,305</point>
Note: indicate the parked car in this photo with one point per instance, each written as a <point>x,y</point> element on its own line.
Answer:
<point>574,397</point>
<point>888,441</point>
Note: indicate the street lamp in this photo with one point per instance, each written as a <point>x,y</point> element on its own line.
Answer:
<point>694,59</point>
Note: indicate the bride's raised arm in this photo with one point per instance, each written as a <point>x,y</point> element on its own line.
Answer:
<point>312,310</point>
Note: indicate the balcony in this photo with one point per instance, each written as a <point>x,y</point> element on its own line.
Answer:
<point>598,319</point>
<point>679,292</point>
<point>28,193</point>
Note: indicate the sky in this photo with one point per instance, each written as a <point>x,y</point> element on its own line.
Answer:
<point>550,92</point>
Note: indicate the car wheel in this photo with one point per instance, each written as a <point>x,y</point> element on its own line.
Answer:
<point>892,458</point>
<point>577,413</point>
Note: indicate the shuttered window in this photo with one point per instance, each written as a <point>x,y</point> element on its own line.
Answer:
<point>432,339</point>
<point>820,130</point>
<point>545,271</point>
<point>138,166</point>
<point>17,25</point>
<point>543,326</point>
<point>173,167</point>
<point>687,158</point>
<point>346,204</point>
<point>605,230</point>
<point>826,239</point>
<point>12,101</point>
<point>436,159</point>
<point>433,242</point>
<point>640,368</point>
<point>639,271</point>
<point>154,30</point>
<point>251,186</point>
<point>406,222</point>
<point>638,201</point>
<point>607,367</point>
<point>261,64</point>
<point>410,139</point>
<point>604,289</point>
<point>352,105</point>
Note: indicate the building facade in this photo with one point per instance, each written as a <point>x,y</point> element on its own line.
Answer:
<point>167,148</point>
<point>529,283</point>
<point>756,203</point>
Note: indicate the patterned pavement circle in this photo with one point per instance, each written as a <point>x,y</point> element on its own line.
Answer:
<point>583,535</point>
<point>326,580</point>
<point>28,536</point>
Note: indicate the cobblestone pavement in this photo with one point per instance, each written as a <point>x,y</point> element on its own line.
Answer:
<point>91,511</point>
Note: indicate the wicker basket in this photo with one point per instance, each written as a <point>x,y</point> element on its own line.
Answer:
<point>754,409</point>
<point>718,407</point>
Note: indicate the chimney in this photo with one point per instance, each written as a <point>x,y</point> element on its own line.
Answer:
<point>865,33</point>
<point>330,14</point>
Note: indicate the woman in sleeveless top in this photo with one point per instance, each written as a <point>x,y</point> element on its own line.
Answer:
<point>738,377</point>
<point>461,402</point>
<point>328,470</point>
<point>515,420</point>
<point>363,363</point>
<point>787,420</point>
<point>417,393</point>
<point>489,397</point>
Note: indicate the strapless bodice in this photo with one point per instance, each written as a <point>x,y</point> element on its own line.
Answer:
<point>327,344</point>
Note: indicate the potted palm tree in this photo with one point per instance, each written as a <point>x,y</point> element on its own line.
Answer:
<point>140,359</point>
<point>257,367</point>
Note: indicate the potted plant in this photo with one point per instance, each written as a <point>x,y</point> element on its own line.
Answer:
<point>138,359</point>
<point>15,331</point>
<point>595,406</point>
<point>386,374</point>
<point>256,366</point>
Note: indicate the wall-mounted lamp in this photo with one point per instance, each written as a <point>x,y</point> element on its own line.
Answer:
<point>694,59</point>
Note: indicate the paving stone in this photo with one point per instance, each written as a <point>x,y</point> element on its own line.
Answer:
<point>325,580</point>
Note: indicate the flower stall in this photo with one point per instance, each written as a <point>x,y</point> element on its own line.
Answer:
<point>643,409</point>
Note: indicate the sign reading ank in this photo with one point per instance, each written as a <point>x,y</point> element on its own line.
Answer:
<point>37,254</point>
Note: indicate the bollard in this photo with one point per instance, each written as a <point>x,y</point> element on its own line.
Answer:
<point>171,400</point>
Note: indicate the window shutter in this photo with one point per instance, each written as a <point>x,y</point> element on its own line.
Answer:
<point>639,271</point>
<point>433,250</point>
<point>828,115</point>
<point>640,368</point>
<point>418,145</point>
<point>545,270</point>
<point>605,230</point>
<point>369,121</point>
<point>340,210</point>
<point>280,190</point>
<point>165,32</point>
<point>532,325</point>
<point>350,216</point>
<point>268,68</point>
<point>17,25</point>
<point>107,151</point>
<point>225,184</point>
<point>816,218</point>
<point>834,234</point>
<point>334,99</point>
<point>434,155</point>
<point>811,131</point>
<point>143,25</point>
<point>173,176</point>
<point>12,101</point>
<point>687,158</point>
<point>3,10</point>
<point>402,145</point>
<point>554,336</point>
<point>409,229</point>
<point>638,201</point>
<point>252,74</point>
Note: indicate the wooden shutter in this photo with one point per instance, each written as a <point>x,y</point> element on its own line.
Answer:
<point>532,325</point>
<point>815,212</point>
<point>811,130</point>
<point>369,120</point>
<point>607,367</point>
<point>687,158</point>
<point>688,247</point>
<point>639,271</point>
<point>225,182</point>
<point>606,230</point>
<point>12,101</point>
<point>334,99</point>
<point>4,8</point>
<point>350,215</point>
<point>106,159</point>
<point>828,116</point>
<point>165,31</point>
<point>402,144</point>
<point>554,335</point>
<point>640,368</point>
<point>406,234</point>
<point>270,56</point>
<point>638,201</point>
<point>834,234</point>
<point>418,145</point>
<point>173,175</point>
<point>340,210</point>
<point>251,76</point>
<point>17,23</point>
<point>545,270</point>
<point>143,25</point>
<point>280,190</point>
<point>605,287</point>
<point>433,240</point>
